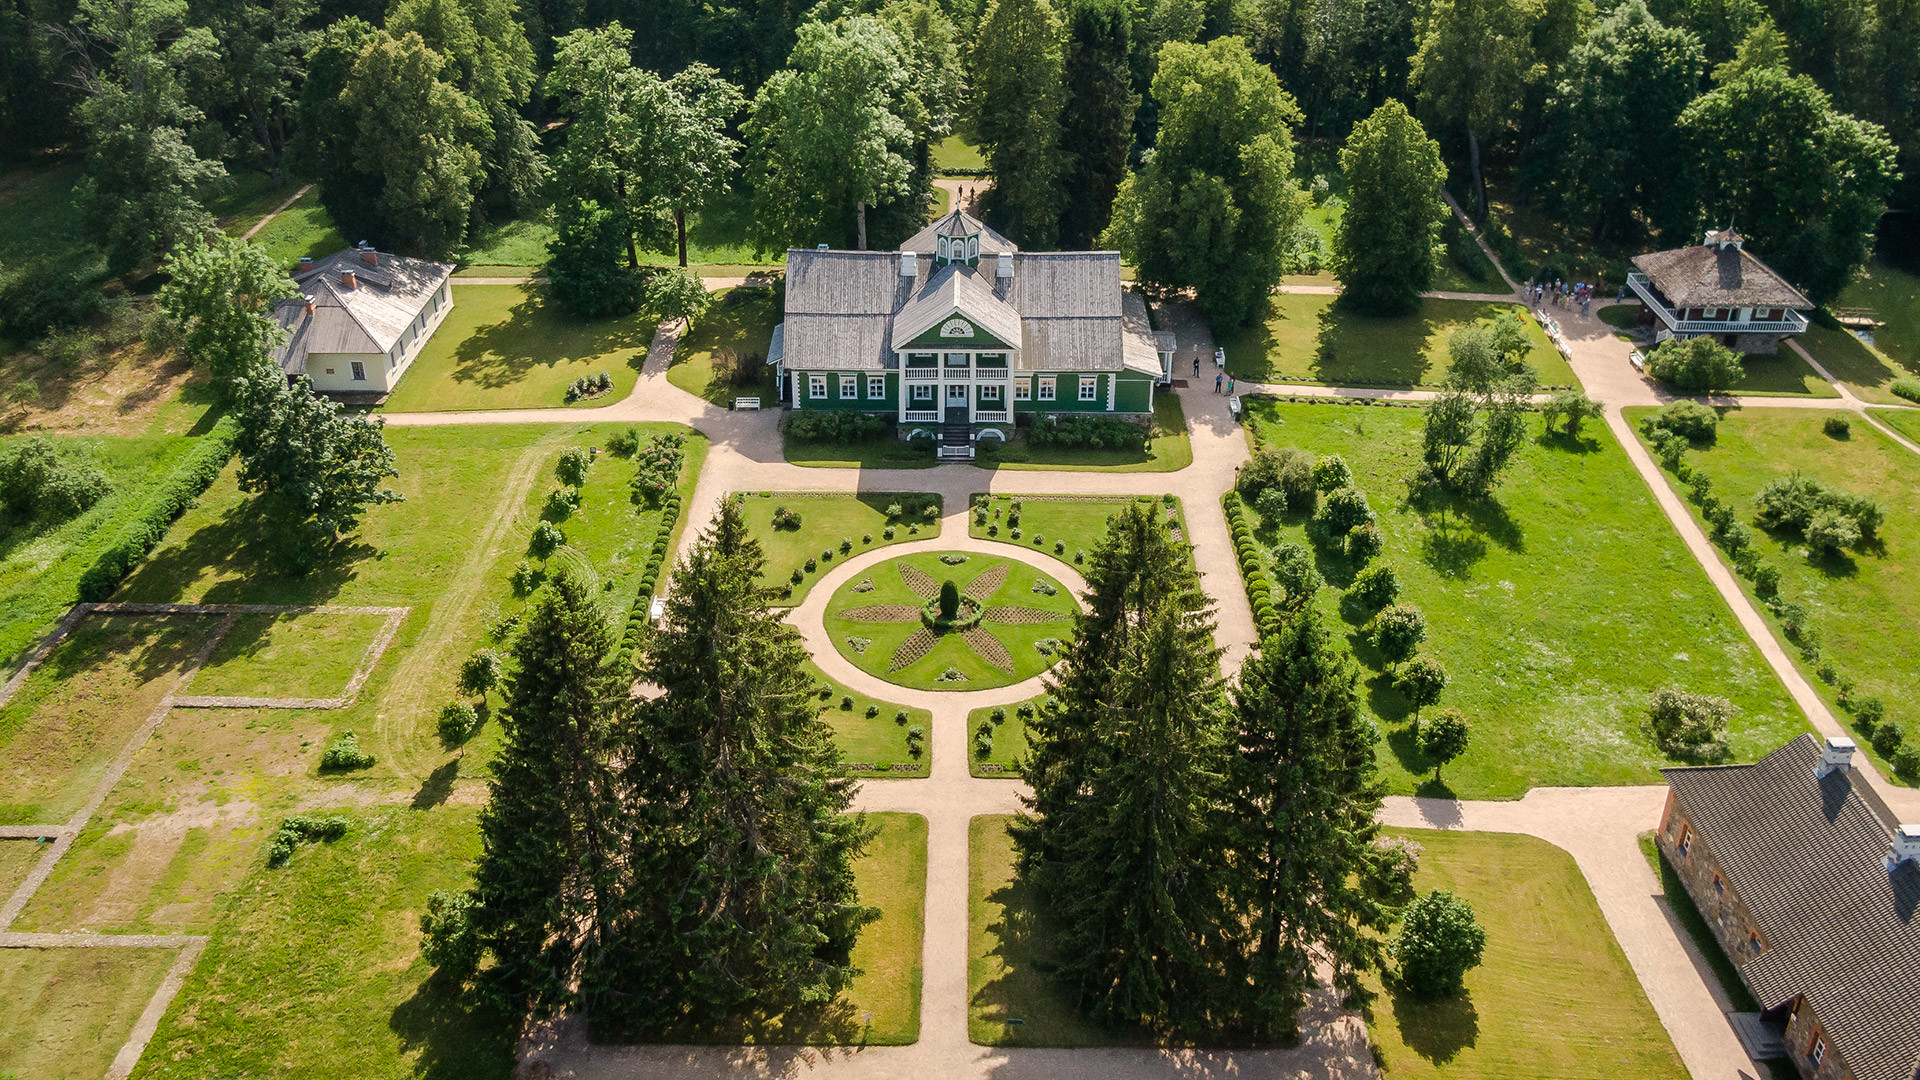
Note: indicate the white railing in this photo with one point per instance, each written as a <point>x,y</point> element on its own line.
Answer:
<point>954,450</point>
<point>1794,323</point>
<point>990,416</point>
<point>923,416</point>
<point>923,373</point>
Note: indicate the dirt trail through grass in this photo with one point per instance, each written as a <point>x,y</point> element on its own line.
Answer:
<point>405,707</point>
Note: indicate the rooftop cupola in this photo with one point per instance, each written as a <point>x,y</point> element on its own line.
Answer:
<point>956,243</point>
<point>1724,239</point>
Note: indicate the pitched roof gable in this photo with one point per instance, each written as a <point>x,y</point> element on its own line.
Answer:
<point>1718,276</point>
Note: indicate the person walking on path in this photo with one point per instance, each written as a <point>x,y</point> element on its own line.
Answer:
<point>1217,380</point>
<point>1196,361</point>
<point>1229,386</point>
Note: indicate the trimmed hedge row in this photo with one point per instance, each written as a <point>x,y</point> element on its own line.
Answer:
<point>169,499</point>
<point>634,634</point>
<point>1246,551</point>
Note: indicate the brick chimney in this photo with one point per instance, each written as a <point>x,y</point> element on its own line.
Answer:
<point>349,280</point>
<point>370,257</point>
<point>309,307</point>
<point>306,263</point>
<point>1838,754</point>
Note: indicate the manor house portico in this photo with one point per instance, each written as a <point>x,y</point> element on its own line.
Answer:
<point>959,331</point>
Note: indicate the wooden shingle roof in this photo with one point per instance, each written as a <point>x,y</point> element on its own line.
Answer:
<point>1718,276</point>
<point>1808,857</point>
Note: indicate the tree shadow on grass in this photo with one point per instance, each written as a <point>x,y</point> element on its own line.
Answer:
<point>437,787</point>
<point>243,543</point>
<point>1567,444</point>
<point>1405,746</point>
<point>1436,1029</point>
<point>1355,348</point>
<point>536,334</point>
<point>1459,529</point>
<point>454,1034</point>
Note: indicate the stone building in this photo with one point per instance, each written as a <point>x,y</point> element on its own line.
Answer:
<point>361,319</point>
<point>1718,288</point>
<point>1811,887</point>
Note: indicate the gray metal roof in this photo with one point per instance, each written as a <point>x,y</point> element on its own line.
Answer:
<point>1807,857</point>
<point>843,308</point>
<point>389,292</point>
<point>1718,275</point>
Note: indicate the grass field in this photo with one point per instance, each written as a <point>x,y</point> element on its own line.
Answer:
<point>825,521</point>
<point>18,857</point>
<point>507,347</point>
<point>38,218</point>
<point>1782,374</point>
<point>955,152</point>
<point>516,242</point>
<point>69,1010</point>
<point>1076,523</point>
<point>1307,339</point>
<point>1558,607</point>
<point>41,567</point>
<point>1862,603</point>
<point>1009,740</point>
<point>1865,370</point>
<point>1904,421</point>
<point>886,453</point>
<point>1894,296</point>
<point>78,709</point>
<point>1553,996</point>
<point>879,740</point>
<point>1021,586</point>
<point>309,655</point>
<point>325,954</point>
<point>186,824</point>
<point>304,228</point>
<point>741,320</point>
<point>1170,449</point>
<point>439,551</point>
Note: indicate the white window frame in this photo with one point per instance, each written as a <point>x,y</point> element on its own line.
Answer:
<point>849,387</point>
<point>1046,388</point>
<point>816,386</point>
<point>1089,388</point>
<point>923,392</point>
<point>358,370</point>
<point>1023,389</point>
<point>990,392</point>
<point>1818,1052</point>
<point>876,386</point>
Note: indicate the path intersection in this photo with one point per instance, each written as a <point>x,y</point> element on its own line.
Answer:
<point>1598,826</point>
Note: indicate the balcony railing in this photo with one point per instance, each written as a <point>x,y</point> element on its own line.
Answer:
<point>991,416</point>
<point>1794,323</point>
<point>923,416</point>
<point>923,373</point>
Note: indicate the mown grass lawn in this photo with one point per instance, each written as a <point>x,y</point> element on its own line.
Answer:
<point>516,242</point>
<point>437,551</point>
<point>955,152</point>
<point>873,645</point>
<point>509,347</point>
<point>305,655</point>
<point>1009,744</point>
<point>1863,604</point>
<point>1558,607</point>
<point>1168,450</point>
<point>825,521</point>
<point>17,860</point>
<point>77,710</point>
<point>740,320</point>
<point>1069,527</point>
<point>1308,339</point>
<point>1904,421</point>
<point>1782,374</point>
<point>1894,296</point>
<point>882,453</point>
<point>325,953</point>
<point>1865,370</point>
<point>1553,996</point>
<point>69,1010</point>
<point>305,228</point>
<point>879,740</point>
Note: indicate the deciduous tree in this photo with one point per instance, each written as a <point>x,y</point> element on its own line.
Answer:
<point>489,60</point>
<point>1437,943</point>
<point>1471,68</point>
<point>1383,248</point>
<point>1018,93</point>
<point>221,292</point>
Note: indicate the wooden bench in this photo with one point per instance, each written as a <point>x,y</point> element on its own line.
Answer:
<point>1233,406</point>
<point>746,403</point>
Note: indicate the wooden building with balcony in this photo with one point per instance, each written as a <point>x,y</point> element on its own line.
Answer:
<point>958,332</point>
<point>1718,288</point>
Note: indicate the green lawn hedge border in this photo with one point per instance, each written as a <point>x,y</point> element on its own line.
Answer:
<point>634,634</point>
<point>171,498</point>
<point>1266,620</point>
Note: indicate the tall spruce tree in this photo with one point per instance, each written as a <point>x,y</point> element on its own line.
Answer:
<point>1096,127</point>
<point>739,843</point>
<point>545,882</point>
<point>1017,97</point>
<point>1121,841</point>
<point>1303,799</point>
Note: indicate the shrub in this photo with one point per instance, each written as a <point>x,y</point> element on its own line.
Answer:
<point>1887,738</point>
<point>1868,712</point>
<point>1668,448</point>
<point>547,538</point>
<point>481,672</point>
<point>1364,542</point>
<point>301,829</point>
<point>998,716</point>
<point>1687,419</point>
<point>39,479</point>
<point>811,564</point>
<point>447,937</point>
<point>1571,409</point>
<point>784,518</point>
<point>888,532</point>
<point>1092,432</point>
<point>345,753</point>
<point>1344,511</point>
<point>949,599</point>
<point>1288,468</point>
<point>1696,365</point>
<point>1271,504</point>
<point>1687,725</point>
<point>1376,586</point>
<point>900,716</point>
<point>846,702</point>
<point>837,426</point>
<point>1437,943</point>
<point>457,721</point>
<point>1420,680</point>
<point>561,503</point>
<point>624,444</point>
<point>1443,737</point>
<point>1837,426</point>
<point>1906,388</point>
<point>657,468</point>
<point>1331,473</point>
<point>1294,573</point>
<point>1766,580</point>
<point>164,505</point>
<point>1906,762</point>
<point>1396,631</point>
<point>1829,532</point>
<point>572,466</point>
<point>526,577</point>
<point>894,511</point>
<point>1827,518</point>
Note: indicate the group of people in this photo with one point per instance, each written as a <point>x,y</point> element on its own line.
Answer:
<point>1221,380</point>
<point>1557,293</point>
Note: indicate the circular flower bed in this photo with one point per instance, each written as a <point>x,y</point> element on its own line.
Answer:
<point>967,615</point>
